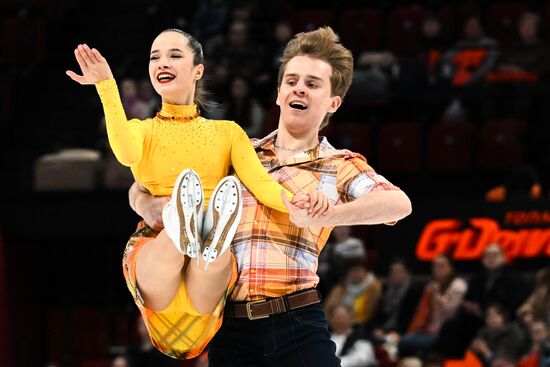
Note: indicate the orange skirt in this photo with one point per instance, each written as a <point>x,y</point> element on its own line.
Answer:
<point>178,331</point>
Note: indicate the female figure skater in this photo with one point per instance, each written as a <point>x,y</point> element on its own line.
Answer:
<point>168,288</point>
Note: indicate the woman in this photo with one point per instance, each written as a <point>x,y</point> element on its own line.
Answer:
<point>499,337</point>
<point>360,290</point>
<point>440,300</point>
<point>162,280</point>
<point>538,301</point>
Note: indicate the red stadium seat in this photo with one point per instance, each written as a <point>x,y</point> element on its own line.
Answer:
<point>502,20</point>
<point>399,147</point>
<point>448,17</point>
<point>500,145</point>
<point>81,332</point>
<point>450,147</point>
<point>545,14</point>
<point>403,28</point>
<point>310,19</point>
<point>360,28</point>
<point>466,9</point>
<point>348,135</point>
<point>23,40</point>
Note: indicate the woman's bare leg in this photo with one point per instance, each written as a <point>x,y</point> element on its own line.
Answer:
<point>208,279</point>
<point>158,271</point>
<point>206,287</point>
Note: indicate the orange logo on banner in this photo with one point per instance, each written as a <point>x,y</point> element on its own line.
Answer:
<point>468,243</point>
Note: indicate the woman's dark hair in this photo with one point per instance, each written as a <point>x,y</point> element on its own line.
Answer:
<point>447,282</point>
<point>193,43</point>
<point>500,309</point>
<point>402,261</point>
<point>198,58</point>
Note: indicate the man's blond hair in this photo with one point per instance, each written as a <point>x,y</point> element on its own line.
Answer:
<point>322,44</point>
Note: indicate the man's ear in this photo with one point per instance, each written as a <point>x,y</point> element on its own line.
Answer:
<point>277,102</point>
<point>334,104</point>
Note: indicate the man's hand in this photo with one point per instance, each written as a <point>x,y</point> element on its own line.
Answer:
<point>319,203</point>
<point>150,209</point>
<point>481,347</point>
<point>472,308</point>
<point>147,206</point>
<point>308,216</point>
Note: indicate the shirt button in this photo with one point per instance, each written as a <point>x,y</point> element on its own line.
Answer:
<point>253,271</point>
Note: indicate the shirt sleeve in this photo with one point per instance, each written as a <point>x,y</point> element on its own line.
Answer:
<point>125,137</point>
<point>252,174</point>
<point>356,179</point>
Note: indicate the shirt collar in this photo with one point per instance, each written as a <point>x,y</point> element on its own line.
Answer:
<point>323,150</point>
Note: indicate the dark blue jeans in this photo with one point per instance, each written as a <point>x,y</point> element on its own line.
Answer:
<point>296,338</point>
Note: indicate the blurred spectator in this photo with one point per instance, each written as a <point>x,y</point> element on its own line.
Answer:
<point>524,321</point>
<point>359,290</point>
<point>372,77</point>
<point>530,55</point>
<point>242,108</point>
<point>418,71</point>
<point>352,347</point>
<point>522,184</point>
<point>430,93</point>
<point>502,361</point>
<point>432,40</point>
<point>133,106</point>
<point>440,300</point>
<point>465,66</point>
<point>210,19</point>
<point>515,86</point>
<point>393,316</point>
<point>496,283</point>
<point>499,336</point>
<point>146,94</point>
<point>471,58</point>
<point>337,255</point>
<point>113,174</point>
<point>400,297</point>
<point>237,54</point>
<point>281,35</point>
<point>120,361</point>
<point>539,300</point>
<point>410,362</point>
<point>540,345</point>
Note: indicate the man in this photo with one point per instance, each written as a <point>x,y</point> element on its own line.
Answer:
<point>400,297</point>
<point>497,283</point>
<point>274,316</point>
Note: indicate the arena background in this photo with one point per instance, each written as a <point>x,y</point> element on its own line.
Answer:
<point>64,222</point>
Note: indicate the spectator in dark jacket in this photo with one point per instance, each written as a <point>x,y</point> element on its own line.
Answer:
<point>400,296</point>
<point>498,337</point>
<point>496,283</point>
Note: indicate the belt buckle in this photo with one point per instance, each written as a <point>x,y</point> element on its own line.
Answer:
<point>249,310</point>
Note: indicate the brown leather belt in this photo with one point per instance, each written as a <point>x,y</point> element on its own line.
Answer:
<point>261,309</point>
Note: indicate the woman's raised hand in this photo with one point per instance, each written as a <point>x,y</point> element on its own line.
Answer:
<point>94,66</point>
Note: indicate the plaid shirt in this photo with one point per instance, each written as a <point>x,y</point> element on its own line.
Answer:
<point>274,256</point>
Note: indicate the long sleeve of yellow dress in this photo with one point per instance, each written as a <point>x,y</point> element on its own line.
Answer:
<point>125,137</point>
<point>253,175</point>
<point>156,164</point>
